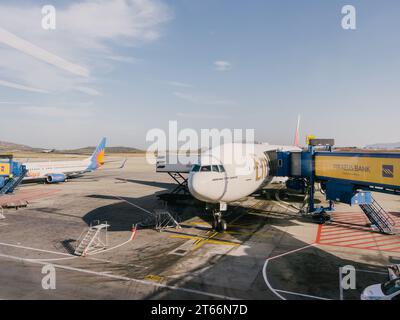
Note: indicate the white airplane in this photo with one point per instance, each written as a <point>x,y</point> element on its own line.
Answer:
<point>59,171</point>
<point>231,172</point>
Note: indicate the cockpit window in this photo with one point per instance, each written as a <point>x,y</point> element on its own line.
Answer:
<point>213,168</point>
<point>196,168</point>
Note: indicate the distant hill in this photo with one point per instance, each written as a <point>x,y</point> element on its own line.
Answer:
<point>90,150</point>
<point>9,146</point>
<point>384,146</point>
<point>14,147</point>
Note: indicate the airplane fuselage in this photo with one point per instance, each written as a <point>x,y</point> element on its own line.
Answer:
<point>236,172</point>
<point>41,170</point>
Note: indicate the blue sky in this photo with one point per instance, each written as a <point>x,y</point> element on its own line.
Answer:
<point>207,64</point>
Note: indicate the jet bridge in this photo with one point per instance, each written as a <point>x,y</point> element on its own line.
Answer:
<point>346,177</point>
<point>11,174</point>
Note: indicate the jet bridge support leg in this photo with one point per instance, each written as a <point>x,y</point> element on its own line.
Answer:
<point>181,181</point>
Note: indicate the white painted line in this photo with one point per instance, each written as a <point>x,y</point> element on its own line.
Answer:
<point>284,207</point>
<point>369,271</point>
<point>264,271</point>
<point>111,276</point>
<point>134,205</point>
<point>297,210</point>
<point>69,256</point>
<point>301,294</point>
<point>34,249</point>
<point>117,246</point>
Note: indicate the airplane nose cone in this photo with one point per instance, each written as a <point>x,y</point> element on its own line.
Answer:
<point>199,187</point>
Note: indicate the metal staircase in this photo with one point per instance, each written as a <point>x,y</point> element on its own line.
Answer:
<point>13,183</point>
<point>379,217</point>
<point>181,181</point>
<point>92,241</point>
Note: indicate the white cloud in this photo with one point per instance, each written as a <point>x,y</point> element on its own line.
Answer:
<point>122,59</point>
<point>14,85</point>
<point>179,84</point>
<point>12,102</point>
<point>58,112</point>
<point>29,48</point>
<point>222,65</point>
<point>204,100</point>
<point>89,91</point>
<point>84,45</point>
<point>201,116</point>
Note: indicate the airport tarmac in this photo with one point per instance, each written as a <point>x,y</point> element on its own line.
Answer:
<point>268,252</point>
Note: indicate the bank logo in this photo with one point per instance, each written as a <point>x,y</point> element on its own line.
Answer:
<point>387,171</point>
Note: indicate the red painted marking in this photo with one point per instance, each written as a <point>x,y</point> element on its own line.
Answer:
<point>375,241</point>
<point>319,233</point>
<point>360,220</point>
<point>342,232</point>
<point>344,236</point>
<point>349,230</point>
<point>380,247</point>
<point>350,240</point>
<point>346,228</point>
<point>24,195</point>
<point>350,219</point>
<point>330,233</point>
<point>348,215</point>
<point>338,224</point>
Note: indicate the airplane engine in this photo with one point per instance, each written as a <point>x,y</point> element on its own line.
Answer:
<point>56,178</point>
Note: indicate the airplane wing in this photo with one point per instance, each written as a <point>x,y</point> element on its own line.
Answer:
<point>121,166</point>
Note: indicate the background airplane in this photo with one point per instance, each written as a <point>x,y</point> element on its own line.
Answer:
<point>60,171</point>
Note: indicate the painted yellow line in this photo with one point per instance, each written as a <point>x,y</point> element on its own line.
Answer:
<point>249,226</point>
<point>239,232</point>
<point>153,277</point>
<point>203,223</point>
<point>200,240</point>
<point>223,243</point>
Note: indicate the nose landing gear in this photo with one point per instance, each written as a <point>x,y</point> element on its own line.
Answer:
<point>219,224</point>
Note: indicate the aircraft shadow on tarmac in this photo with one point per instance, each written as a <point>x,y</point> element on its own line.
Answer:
<point>125,213</point>
<point>163,185</point>
<point>312,271</point>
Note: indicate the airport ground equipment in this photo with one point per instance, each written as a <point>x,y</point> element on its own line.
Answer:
<point>160,220</point>
<point>164,220</point>
<point>11,174</point>
<point>94,240</point>
<point>346,177</point>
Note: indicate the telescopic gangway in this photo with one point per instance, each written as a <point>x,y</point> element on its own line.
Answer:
<point>346,177</point>
<point>11,174</point>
